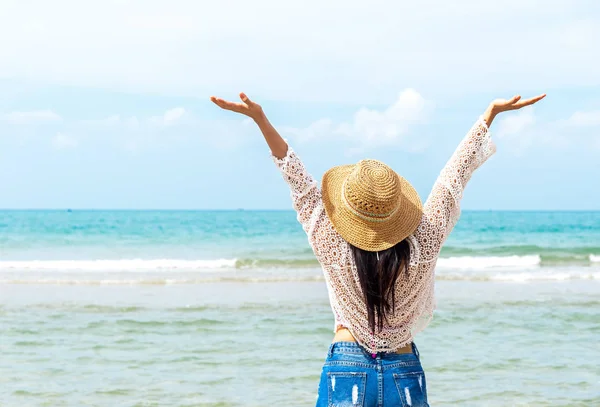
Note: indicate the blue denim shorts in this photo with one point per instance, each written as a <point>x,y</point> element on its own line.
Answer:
<point>351,376</point>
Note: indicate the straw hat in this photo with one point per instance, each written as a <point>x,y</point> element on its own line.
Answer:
<point>371,206</point>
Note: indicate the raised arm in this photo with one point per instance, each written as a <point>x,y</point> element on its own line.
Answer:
<point>254,111</point>
<point>306,195</point>
<point>442,208</point>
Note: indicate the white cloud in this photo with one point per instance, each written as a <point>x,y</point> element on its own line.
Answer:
<point>111,120</point>
<point>136,133</point>
<point>523,130</point>
<point>374,128</point>
<point>62,141</point>
<point>582,127</point>
<point>31,116</point>
<point>350,50</point>
<point>131,122</point>
<point>387,126</point>
<point>322,128</point>
<point>585,119</point>
<point>168,118</point>
<point>514,124</point>
<point>519,130</point>
<point>173,115</point>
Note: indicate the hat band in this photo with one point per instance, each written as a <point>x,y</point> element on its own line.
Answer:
<point>368,216</point>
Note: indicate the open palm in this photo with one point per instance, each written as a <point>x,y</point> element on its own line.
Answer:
<point>247,107</point>
<point>515,103</point>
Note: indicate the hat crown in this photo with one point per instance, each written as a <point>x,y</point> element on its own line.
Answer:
<point>372,190</point>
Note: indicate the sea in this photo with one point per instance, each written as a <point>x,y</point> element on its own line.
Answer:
<point>229,308</point>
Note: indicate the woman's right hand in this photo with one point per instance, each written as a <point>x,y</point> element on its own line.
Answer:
<point>504,105</point>
<point>253,110</point>
<point>247,107</point>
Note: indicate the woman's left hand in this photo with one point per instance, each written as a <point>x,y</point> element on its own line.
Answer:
<point>504,105</point>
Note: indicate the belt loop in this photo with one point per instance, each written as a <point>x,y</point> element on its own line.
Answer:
<point>415,350</point>
<point>330,351</point>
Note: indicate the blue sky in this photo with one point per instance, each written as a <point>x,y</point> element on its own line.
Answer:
<point>105,105</point>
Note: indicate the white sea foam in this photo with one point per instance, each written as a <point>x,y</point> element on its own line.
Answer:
<point>179,271</point>
<point>186,278</point>
<point>530,275</point>
<point>105,265</point>
<point>116,265</point>
<point>547,276</point>
<point>146,280</point>
<point>482,263</point>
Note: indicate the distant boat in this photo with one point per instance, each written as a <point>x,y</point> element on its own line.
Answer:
<point>69,210</point>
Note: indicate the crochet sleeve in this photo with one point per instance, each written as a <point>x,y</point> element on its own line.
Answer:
<point>306,198</point>
<point>442,208</point>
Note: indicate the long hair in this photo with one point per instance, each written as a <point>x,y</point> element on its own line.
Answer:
<point>378,273</point>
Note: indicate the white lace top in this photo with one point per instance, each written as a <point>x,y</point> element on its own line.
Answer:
<point>415,300</point>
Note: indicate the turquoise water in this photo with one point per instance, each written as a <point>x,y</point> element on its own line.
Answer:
<point>108,308</point>
<point>275,239</point>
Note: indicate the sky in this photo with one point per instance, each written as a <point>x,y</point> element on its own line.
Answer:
<point>106,104</point>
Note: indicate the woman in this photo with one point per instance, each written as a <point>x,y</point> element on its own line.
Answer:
<point>378,247</point>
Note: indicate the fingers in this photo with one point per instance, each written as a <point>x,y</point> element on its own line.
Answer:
<point>216,100</point>
<point>246,99</point>
<point>528,102</point>
<point>514,99</point>
<point>224,104</point>
<point>221,102</point>
<point>507,104</point>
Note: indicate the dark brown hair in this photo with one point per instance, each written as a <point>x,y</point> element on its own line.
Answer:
<point>378,273</point>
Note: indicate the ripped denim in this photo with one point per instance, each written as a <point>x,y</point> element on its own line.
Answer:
<point>353,377</point>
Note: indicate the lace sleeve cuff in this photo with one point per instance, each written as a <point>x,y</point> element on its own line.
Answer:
<point>483,124</point>
<point>283,163</point>
<point>488,147</point>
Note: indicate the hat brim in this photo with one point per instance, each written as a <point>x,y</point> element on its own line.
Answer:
<point>362,233</point>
